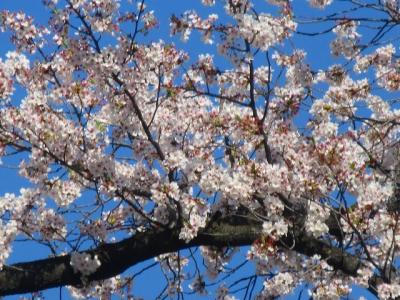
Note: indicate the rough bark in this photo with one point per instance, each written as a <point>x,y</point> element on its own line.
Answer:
<point>117,257</point>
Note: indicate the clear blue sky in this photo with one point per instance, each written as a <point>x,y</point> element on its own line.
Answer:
<point>151,282</point>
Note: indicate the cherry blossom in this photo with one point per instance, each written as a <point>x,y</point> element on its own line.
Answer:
<point>131,148</point>
<point>320,3</point>
<point>84,264</point>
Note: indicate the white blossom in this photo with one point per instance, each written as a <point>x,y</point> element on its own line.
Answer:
<point>84,263</point>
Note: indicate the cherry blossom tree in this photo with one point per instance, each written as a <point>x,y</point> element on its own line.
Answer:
<point>138,150</point>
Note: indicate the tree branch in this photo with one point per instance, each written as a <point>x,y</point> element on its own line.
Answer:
<point>117,257</point>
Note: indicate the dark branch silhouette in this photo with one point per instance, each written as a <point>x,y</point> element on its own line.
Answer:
<point>236,230</point>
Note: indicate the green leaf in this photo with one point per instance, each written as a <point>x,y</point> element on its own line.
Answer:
<point>100,126</point>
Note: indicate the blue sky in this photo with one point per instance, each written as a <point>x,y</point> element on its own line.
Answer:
<point>149,284</point>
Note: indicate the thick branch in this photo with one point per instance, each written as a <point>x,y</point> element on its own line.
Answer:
<point>116,258</point>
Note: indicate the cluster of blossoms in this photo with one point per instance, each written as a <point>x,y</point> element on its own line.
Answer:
<point>320,3</point>
<point>84,263</point>
<point>7,235</point>
<point>281,284</point>
<point>331,290</point>
<point>208,2</point>
<point>13,69</point>
<point>392,5</point>
<point>298,71</point>
<point>63,192</point>
<point>264,30</point>
<point>192,21</point>
<point>97,230</point>
<point>385,64</point>
<point>275,229</point>
<point>104,289</point>
<point>6,85</point>
<point>101,13</point>
<point>316,220</point>
<point>346,42</point>
<point>196,213</point>
<point>52,225</point>
<point>26,36</point>
<point>389,291</point>
<point>23,219</point>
